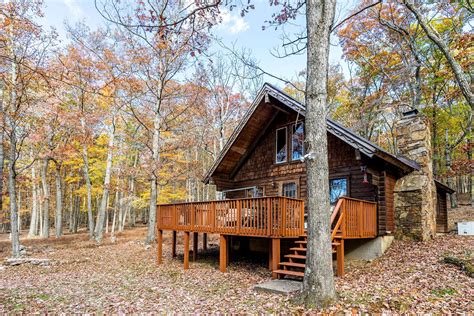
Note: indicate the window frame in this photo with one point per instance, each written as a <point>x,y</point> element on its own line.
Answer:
<point>295,180</point>
<point>289,183</point>
<point>276,145</point>
<point>293,128</point>
<point>348,186</point>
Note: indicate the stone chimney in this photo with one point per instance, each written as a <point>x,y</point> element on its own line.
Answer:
<point>415,193</point>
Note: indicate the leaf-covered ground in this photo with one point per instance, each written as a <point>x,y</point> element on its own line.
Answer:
<point>123,278</point>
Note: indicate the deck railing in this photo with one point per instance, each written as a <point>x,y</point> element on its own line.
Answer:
<point>262,217</point>
<point>354,218</point>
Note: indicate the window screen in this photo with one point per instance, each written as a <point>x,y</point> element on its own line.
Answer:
<point>289,189</point>
<point>297,141</point>
<point>281,151</point>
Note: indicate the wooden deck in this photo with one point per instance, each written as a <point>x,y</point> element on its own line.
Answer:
<point>269,217</point>
<point>272,217</point>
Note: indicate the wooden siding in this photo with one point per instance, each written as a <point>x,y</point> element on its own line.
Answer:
<point>259,169</point>
<point>386,222</point>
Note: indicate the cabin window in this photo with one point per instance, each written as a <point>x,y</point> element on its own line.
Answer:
<point>297,141</point>
<point>289,190</point>
<point>281,150</point>
<point>337,188</point>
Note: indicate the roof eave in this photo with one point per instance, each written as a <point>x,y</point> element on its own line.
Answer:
<point>444,187</point>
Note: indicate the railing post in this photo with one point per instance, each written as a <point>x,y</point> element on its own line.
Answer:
<point>302,218</point>
<point>174,217</point>
<point>239,216</point>
<point>343,213</point>
<point>283,221</point>
<point>192,216</point>
<point>269,216</point>
<point>213,216</point>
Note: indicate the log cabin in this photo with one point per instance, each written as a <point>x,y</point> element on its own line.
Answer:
<point>261,174</point>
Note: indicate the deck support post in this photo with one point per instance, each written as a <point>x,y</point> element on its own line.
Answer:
<point>204,241</point>
<point>340,258</point>
<point>195,245</point>
<point>270,263</point>
<point>275,256</point>
<point>186,250</point>
<point>223,253</point>
<point>173,245</point>
<point>159,247</point>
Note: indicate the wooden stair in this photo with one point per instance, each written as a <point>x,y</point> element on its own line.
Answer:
<point>295,263</point>
<point>296,260</point>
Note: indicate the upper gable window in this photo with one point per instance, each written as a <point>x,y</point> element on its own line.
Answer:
<point>297,141</point>
<point>281,145</point>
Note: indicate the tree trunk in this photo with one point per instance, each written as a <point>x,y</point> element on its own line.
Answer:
<point>45,184</point>
<point>40,211</point>
<point>318,282</point>
<point>99,228</point>
<point>453,197</point>
<point>19,209</point>
<point>434,138</point>
<point>59,203</point>
<point>132,212</point>
<point>112,232</point>
<point>154,179</point>
<point>2,153</point>
<point>15,236</point>
<point>71,209</point>
<point>119,212</point>
<point>461,78</point>
<point>34,203</point>
<point>107,217</point>
<point>469,158</point>
<point>87,178</point>
<point>75,217</point>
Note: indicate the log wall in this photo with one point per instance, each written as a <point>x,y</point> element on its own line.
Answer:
<point>259,169</point>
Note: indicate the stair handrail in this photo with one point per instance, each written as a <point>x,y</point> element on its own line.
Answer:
<point>340,220</point>
<point>336,210</point>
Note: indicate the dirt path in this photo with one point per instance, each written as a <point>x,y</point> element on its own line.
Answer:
<point>123,278</point>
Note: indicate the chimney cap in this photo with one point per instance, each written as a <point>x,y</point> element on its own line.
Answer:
<point>411,112</point>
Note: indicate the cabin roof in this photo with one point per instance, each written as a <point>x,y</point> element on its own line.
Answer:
<point>443,187</point>
<point>259,117</point>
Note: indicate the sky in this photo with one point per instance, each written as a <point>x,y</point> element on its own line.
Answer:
<point>240,32</point>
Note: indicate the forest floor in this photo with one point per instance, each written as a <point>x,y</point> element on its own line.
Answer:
<point>122,277</point>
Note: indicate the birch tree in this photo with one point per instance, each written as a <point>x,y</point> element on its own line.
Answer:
<point>23,48</point>
<point>163,36</point>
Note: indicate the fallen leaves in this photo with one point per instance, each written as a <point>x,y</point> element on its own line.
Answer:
<point>123,277</point>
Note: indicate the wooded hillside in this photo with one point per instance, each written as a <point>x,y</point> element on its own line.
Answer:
<point>100,127</point>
